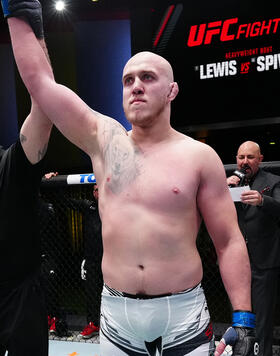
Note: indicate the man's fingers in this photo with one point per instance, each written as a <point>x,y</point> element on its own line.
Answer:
<point>220,348</point>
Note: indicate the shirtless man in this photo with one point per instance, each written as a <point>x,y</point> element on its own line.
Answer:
<point>152,301</point>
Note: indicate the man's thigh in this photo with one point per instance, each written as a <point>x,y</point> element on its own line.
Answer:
<point>109,349</point>
<point>206,349</point>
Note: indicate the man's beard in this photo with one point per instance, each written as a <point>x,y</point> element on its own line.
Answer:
<point>249,172</point>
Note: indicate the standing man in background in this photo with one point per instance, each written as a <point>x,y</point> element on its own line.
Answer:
<point>22,301</point>
<point>152,300</point>
<point>259,221</point>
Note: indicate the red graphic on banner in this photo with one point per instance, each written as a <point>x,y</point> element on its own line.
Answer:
<point>245,67</point>
<point>165,21</point>
<point>248,52</point>
<point>230,30</point>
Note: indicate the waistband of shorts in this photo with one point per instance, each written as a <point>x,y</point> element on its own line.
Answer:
<point>116,293</point>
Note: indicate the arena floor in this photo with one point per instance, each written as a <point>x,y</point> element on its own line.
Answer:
<point>66,348</point>
<point>74,346</point>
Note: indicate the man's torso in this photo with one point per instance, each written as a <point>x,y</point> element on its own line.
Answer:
<point>149,216</point>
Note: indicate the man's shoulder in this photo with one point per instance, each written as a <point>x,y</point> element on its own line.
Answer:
<point>190,142</point>
<point>201,157</point>
<point>16,151</point>
<point>203,150</point>
<point>16,168</point>
<point>12,152</point>
<point>274,178</point>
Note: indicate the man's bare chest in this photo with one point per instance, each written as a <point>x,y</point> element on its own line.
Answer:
<point>158,178</point>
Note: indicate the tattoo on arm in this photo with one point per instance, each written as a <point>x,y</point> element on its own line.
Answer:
<point>121,156</point>
<point>41,153</point>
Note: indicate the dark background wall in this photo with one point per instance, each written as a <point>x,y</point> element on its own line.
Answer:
<point>101,56</point>
<point>8,117</point>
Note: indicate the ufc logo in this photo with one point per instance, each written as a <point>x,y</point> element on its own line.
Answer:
<point>229,30</point>
<point>207,31</point>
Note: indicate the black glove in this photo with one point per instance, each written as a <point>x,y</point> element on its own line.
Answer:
<point>246,343</point>
<point>241,336</point>
<point>30,9</point>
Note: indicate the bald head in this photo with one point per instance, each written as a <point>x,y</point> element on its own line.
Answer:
<point>250,145</point>
<point>148,89</point>
<point>153,59</point>
<point>249,157</point>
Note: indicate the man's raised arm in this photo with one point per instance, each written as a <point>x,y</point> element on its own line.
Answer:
<point>36,129</point>
<point>62,106</point>
<point>35,133</point>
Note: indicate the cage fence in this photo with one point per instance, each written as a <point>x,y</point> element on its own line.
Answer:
<point>63,234</point>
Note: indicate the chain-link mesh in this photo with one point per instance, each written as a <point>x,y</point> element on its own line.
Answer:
<point>217,299</point>
<point>62,228</point>
<point>62,245</point>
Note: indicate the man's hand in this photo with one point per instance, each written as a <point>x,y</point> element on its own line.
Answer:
<point>242,341</point>
<point>50,175</point>
<point>241,336</point>
<point>252,197</point>
<point>233,180</point>
<point>29,9</point>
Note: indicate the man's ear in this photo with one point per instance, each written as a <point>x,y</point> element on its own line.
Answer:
<point>261,158</point>
<point>174,89</point>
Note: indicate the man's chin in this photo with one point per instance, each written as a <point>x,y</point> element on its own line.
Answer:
<point>137,119</point>
<point>249,174</point>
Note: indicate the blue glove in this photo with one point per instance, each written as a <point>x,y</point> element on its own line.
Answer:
<point>31,10</point>
<point>241,335</point>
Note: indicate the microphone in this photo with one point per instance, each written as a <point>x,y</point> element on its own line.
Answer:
<point>241,174</point>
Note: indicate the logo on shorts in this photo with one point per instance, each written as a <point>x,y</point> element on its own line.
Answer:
<point>256,348</point>
<point>209,331</point>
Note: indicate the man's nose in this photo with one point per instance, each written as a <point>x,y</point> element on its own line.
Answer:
<point>138,87</point>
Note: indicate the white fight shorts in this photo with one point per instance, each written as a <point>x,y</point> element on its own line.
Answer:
<point>173,325</point>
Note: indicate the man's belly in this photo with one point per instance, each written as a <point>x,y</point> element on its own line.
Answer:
<point>152,277</point>
<point>149,250</point>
